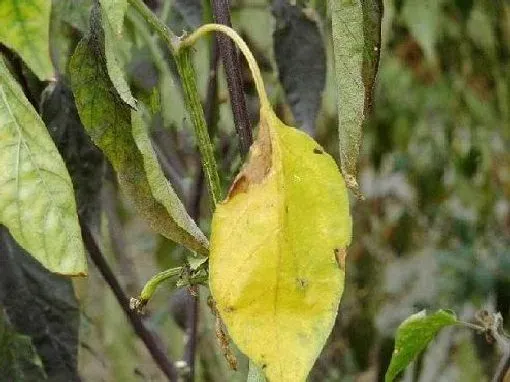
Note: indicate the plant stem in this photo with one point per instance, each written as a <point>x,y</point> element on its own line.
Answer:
<point>196,112</point>
<point>191,96</point>
<point>170,39</point>
<point>232,67</point>
<point>145,335</point>
<point>252,63</point>
<point>151,285</point>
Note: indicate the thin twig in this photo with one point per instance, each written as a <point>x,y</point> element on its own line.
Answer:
<point>145,335</point>
<point>232,66</point>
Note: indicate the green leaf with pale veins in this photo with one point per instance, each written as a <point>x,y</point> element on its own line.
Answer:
<point>26,30</point>
<point>413,335</point>
<point>37,201</point>
<point>104,29</point>
<point>111,124</point>
<point>356,28</point>
<point>19,361</point>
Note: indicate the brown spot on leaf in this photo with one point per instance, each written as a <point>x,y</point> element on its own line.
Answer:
<point>340,254</point>
<point>258,165</point>
<point>318,151</point>
<point>302,283</point>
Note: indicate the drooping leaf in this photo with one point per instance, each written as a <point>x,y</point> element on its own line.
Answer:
<point>19,361</point>
<point>107,32</point>
<point>423,18</point>
<point>75,13</point>
<point>109,122</point>
<point>83,160</point>
<point>114,10</point>
<point>278,251</point>
<point>42,306</point>
<point>356,28</point>
<point>26,29</point>
<point>37,203</point>
<point>301,59</point>
<point>413,335</point>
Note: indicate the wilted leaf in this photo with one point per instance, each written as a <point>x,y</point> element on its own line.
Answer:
<point>423,17</point>
<point>108,121</point>
<point>37,203</point>
<point>19,361</point>
<point>356,45</point>
<point>413,335</point>
<point>301,60</point>
<point>42,306</point>
<point>26,30</point>
<point>102,27</point>
<point>83,160</point>
<point>278,251</point>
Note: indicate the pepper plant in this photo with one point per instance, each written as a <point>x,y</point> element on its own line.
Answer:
<point>275,260</point>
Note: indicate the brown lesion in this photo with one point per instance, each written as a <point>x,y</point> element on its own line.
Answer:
<point>258,165</point>
<point>340,255</point>
<point>318,151</point>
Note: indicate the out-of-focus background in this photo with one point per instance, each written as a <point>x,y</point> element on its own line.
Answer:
<point>433,231</point>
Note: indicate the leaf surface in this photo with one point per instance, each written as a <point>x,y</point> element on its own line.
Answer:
<point>111,124</point>
<point>301,59</point>
<point>107,30</point>
<point>278,251</point>
<point>42,306</point>
<point>19,361</point>
<point>413,335</point>
<point>26,30</point>
<point>37,203</point>
<point>356,28</point>
<point>114,10</point>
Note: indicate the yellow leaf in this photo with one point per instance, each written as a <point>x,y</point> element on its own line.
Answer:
<point>277,253</point>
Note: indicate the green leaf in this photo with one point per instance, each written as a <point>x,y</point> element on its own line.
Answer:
<point>19,361</point>
<point>356,28</point>
<point>413,335</point>
<point>114,10</point>
<point>41,305</point>
<point>75,13</point>
<point>423,18</point>
<point>301,59</point>
<point>278,246</point>
<point>109,38</point>
<point>26,29</point>
<point>111,124</point>
<point>37,203</point>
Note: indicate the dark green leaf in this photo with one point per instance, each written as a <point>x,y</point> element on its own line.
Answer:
<point>19,361</point>
<point>42,306</point>
<point>301,60</point>
<point>84,161</point>
<point>413,335</point>
<point>108,121</point>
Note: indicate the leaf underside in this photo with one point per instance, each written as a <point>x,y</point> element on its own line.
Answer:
<point>37,204</point>
<point>356,28</point>
<point>278,250</point>
<point>118,131</point>
<point>25,29</point>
